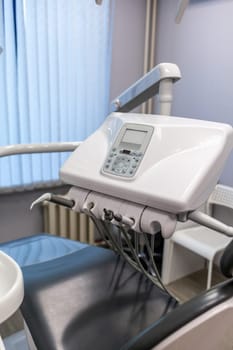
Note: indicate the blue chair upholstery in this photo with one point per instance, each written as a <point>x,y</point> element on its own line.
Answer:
<point>40,248</point>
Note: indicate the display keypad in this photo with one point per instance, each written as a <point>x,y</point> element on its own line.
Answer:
<point>121,163</point>
<point>128,150</point>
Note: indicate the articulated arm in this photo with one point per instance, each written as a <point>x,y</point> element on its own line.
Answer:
<point>158,81</point>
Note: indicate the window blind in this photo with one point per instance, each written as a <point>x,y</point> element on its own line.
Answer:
<point>54,79</point>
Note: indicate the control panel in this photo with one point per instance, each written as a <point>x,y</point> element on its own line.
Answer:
<point>128,150</point>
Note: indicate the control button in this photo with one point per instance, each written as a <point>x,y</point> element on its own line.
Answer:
<point>109,160</point>
<point>131,172</point>
<point>111,154</point>
<point>134,166</point>
<point>106,166</point>
<point>114,149</point>
<point>136,160</point>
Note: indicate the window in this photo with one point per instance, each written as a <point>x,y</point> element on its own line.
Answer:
<point>54,79</point>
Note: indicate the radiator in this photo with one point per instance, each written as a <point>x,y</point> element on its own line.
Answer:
<point>64,222</point>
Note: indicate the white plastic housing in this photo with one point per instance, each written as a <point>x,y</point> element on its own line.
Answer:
<point>179,169</point>
<point>11,287</point>
<point>144,219</point>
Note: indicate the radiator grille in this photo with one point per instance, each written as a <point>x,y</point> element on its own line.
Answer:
<point>64,222</point>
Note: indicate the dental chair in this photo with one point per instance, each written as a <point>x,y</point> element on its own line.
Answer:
<point>90,299</point>
<point>93,299</point>
<point>96,298</point>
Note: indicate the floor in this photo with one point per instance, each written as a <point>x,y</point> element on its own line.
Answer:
<point>184,289</point>
<point>12,325</point>
<point>188,287</point>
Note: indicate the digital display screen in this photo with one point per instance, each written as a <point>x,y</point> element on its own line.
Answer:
<point>134,136</point>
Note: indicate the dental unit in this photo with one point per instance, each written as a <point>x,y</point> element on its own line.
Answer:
<point>143,173</point>
<point>136,176</point>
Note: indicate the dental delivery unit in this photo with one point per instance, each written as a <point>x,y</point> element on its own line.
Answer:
<point>137,176</point>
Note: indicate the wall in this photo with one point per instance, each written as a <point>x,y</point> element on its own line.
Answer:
<point>202,47</point>
<point>127,66</point>
<point>128,44</point>
<point>16,218</point>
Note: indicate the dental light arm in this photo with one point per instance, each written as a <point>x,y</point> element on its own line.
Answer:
<point>158,81</point>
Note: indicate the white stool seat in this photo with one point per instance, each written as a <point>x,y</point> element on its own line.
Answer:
<point>11,288</point>
<point>202,241</point>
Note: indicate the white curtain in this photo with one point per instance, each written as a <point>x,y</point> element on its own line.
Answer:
<point>54,79</point>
